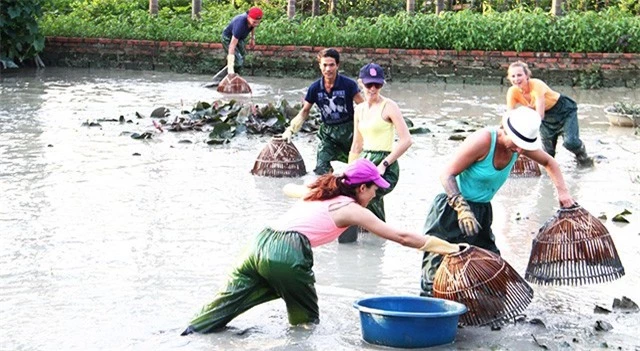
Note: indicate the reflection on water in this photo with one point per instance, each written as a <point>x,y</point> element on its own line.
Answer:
<point>102,249</point>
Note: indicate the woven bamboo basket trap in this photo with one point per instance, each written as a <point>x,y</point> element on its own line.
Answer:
<point>280,159</point>
<point>525,167</point>
<point>573,248</point>
<point>234,84</point>
<point>484,282</point>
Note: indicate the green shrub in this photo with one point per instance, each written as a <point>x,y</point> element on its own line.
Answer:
<point>521,29</point>
<point>20,36</point>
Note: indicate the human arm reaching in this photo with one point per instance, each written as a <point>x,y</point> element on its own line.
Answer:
<point>553,169</point>
<point>296,122</point>
<point>354,214</point>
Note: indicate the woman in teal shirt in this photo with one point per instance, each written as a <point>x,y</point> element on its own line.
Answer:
<point>463,213</point>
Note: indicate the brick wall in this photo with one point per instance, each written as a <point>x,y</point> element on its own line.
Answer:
<point>469,67</point>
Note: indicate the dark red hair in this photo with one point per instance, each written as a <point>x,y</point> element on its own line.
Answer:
<point>329,186</point>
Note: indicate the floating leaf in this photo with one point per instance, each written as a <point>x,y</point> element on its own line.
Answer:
<point>625,303</point>
<point>601,310</point>
<point>217,141</point>
<point>602,326</point>
<point>620,216</point>
<point>222,131</point>
<point>145,135</point>
<point>408,121</point>
<point>419,130</point>
<point>91,124</point>
<point>538,343</point>
<point>160,112</point>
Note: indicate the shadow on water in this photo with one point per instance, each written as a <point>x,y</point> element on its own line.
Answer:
<point>119,251</point>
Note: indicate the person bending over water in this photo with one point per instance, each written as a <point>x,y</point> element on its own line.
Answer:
<point>279,261</point>
<point>480,166</point>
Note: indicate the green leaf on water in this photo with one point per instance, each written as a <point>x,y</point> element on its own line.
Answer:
<point>620,216</point>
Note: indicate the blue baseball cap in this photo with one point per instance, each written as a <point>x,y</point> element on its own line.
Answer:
<point>371,73</point>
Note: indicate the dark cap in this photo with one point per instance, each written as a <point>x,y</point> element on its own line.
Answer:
<point>372,73</point>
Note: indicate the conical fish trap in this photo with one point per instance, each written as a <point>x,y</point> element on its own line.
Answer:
<point>480,279</point>
<point>279,158</point>
<point>234,84</point>
<point>573,248</point>
<point>525,167</point>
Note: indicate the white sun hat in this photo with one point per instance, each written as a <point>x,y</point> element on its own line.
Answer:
<point>522,125</point>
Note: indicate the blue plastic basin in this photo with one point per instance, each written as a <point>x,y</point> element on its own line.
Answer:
<point>409,321</point>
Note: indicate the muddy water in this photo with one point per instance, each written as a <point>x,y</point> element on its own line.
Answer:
<point>101,249</point>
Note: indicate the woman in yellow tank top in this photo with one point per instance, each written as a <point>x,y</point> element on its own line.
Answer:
<point>559,113</point>
<point>376,122</point>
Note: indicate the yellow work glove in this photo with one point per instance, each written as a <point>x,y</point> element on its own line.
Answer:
<point>353,156</point>
<point>467,221</point>
<point>439,246</point>
<point>231,61</point>
<point>294,126</point>
<point>296,191</point>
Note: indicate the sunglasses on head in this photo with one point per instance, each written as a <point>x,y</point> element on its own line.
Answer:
<point>369,85</point>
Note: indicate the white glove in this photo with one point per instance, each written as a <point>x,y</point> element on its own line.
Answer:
<point>439,246</point>
<point>231,60</point>
<point>287,135</point>
<point>294,127</point>
<point>296,123</point>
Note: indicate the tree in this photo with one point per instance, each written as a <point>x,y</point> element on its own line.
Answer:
<point>291,8</point>
<point>411,6</point>
<point>439,6</point>
<point>556,7</point>
<point>332,5</point>
<point>153,7</point>
<point>196,7</point>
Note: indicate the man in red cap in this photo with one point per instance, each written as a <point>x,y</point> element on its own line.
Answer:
<point>233,40</point>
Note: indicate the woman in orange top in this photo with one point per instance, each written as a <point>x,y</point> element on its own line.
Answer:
<point>559,113</point>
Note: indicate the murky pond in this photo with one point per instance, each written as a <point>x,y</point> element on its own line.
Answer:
<point>101,249</point>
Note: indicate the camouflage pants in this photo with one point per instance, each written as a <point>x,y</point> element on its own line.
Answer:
<point>442,222</point>
<point>277,265</point>
<point>561,120</point>
<point>335,144</point>
<point>240,53</point>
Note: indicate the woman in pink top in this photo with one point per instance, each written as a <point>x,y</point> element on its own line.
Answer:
<point>280,260</point>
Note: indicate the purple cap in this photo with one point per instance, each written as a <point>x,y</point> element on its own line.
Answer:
<point>371,73</point>
<point>363,171</point>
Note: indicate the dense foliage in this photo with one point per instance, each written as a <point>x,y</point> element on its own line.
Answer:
<point>611,30</point>
<point>20,37</point>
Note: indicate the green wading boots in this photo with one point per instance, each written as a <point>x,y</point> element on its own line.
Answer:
<point>583,159</point>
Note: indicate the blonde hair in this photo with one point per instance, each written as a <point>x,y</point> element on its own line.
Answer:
<point>522,65</point>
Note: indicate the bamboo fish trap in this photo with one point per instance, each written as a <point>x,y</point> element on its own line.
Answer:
<point>525,167</point>
<point>234,84</point>
<point>573,248</point>
<point>280,159</point>
<point>481,280</point>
